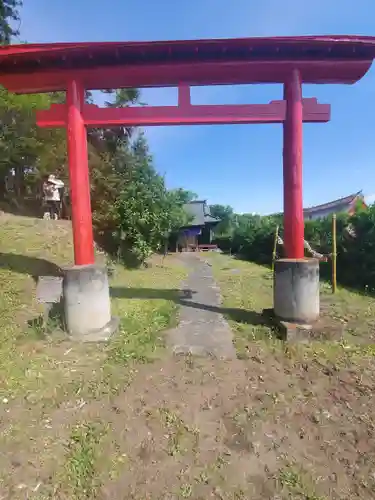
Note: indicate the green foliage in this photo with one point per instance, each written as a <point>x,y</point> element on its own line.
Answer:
<point>185,196</point>
<point>226,216</point>
<point>252,238</point>
<point>133,212</point>
<point>26,151</point>
<point>9,14</point>
<point>148,213</point>
<point>81,457</point>
<point>356,255</point>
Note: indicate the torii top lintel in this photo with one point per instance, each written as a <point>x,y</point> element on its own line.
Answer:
<point>320,59</point>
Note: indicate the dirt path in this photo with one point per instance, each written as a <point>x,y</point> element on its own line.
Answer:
<point>202,330</point>
<point>269,427</point>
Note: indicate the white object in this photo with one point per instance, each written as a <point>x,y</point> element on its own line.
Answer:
<point>87,305</point>
<point>306,245</point>
<point>51,188</point>
<point>57,182</point>
<point>296,290</point>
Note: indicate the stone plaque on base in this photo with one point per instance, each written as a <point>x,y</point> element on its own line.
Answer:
<point>49,289</point>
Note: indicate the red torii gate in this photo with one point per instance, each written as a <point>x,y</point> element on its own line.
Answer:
<point>76,67</point>
<point>78,115</point>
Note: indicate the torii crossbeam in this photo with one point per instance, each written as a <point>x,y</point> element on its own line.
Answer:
<point>183,114</point>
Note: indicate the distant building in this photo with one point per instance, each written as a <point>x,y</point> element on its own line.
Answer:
<point>347,204</point>
<point>200,229</point>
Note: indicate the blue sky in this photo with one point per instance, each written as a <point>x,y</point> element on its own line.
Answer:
<point>239,165</point>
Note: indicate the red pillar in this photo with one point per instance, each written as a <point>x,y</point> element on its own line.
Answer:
<point>79,176</point>
<point>292,168</point>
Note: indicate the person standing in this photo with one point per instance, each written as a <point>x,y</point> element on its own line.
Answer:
<point>52,197</point>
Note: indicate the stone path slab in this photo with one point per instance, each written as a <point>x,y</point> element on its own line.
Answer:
<point>202,329</point>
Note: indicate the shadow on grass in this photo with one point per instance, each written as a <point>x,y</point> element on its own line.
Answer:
<point>36,267</point>
<point>50,322</point>
<point>184,298</point>
<point>25,264</point>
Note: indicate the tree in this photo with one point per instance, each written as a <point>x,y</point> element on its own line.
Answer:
<point>132,209</point>
<point>9,12</point>
<point>148,212</point>
<point>122,98</point>
<point>185,196</point>
<point>113,138</point>
<point>24,147</point>
<point>226,215</point>
<point>110,155</point>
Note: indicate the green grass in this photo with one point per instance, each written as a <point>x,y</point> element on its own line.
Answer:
<point>42,371</point>
<point>37,244</point>
<point>181,437</point>
<point>80,467</point>
<point>248,286</point>
<point>297,484</point>
<point>143,318</point>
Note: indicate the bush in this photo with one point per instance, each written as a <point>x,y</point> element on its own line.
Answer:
<point>252,238</point>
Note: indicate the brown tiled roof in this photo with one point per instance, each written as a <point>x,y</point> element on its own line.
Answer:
<point>339,204</point>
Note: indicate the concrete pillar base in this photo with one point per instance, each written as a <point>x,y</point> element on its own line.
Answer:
<point>87,305</point>
<point>296,290</point>
<point>101,334</point>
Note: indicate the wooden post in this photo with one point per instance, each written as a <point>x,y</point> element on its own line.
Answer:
<point>79,176</point>
<point>274,248</point>
<point>292,168</point>
<point>334,254</point>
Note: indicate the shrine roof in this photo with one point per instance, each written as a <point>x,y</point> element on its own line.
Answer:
<point>321,59</point>
<point>200,213</point>
<point>340,204</point>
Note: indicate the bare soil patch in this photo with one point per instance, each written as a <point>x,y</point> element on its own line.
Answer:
<point>276,425</point>
<point>267,427</point>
